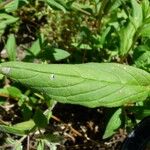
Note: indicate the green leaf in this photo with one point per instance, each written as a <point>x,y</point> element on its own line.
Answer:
<point>12,6</point>
<point>40,119</point>
<point>145,31</point>
<point>5,20</point>
<point>11,47</point>
<point>26,111</point>
<point>40,145</point>
<point>79,7</point>
<point>127,33</point>
<point>4,91</point>
<point>91,84</point>
<point>18,129</point>
<point>35,48</point>
<point>60,54</point>
<point>141,57</point>
<point>48,114</point>
<point>82,46</point>
<point>2,28</point>
<point>1,77</point>
<point>143,61</point>
<point>146,8</point>
<point>140,112</point>
<point>16,144</point>
<point>14,92</point>
<point>25,126</point>
<point>116,3</point>
<point>48,141</point>
<point>113,124</point>
<point>12,130</point>
<point>55,4</point>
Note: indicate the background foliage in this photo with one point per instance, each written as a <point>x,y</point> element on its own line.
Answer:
<point>72,32</point>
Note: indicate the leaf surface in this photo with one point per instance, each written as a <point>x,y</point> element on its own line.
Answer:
<point>5,20</point>
<point>18,129</point>
<point>127,33</point>
<point>91,84</point>
<point>11,47</point>
<point>12,6</point>
<point>60,54</point>
<point>113,124</point>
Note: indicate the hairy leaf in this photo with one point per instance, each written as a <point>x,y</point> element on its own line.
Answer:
<point>91,84</point>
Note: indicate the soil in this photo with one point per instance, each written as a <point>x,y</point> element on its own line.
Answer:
<point>89,124</point>
<point>81,128</point>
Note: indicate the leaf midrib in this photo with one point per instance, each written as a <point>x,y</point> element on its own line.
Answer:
<point>75,76</point>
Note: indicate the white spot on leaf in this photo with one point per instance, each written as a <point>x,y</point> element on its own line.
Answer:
<point>6,70</point>
<point>52,77</point>
<point>124,68</point>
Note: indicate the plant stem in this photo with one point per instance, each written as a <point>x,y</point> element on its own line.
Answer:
<point>101,13</point>
<point>71,128</point>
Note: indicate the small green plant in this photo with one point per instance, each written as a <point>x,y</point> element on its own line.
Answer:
<point>62,37</point>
